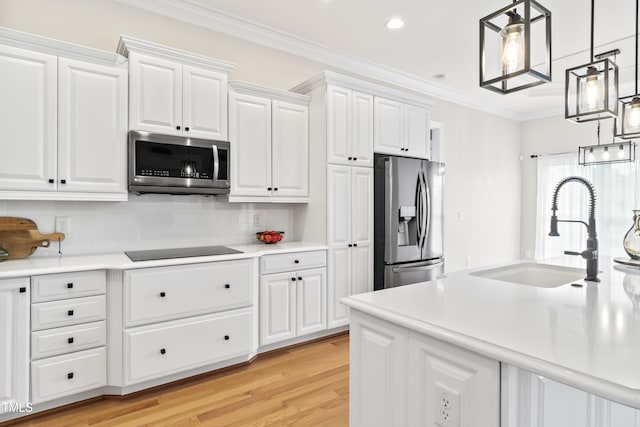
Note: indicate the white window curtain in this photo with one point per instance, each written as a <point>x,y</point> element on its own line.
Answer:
<point>616,196</point>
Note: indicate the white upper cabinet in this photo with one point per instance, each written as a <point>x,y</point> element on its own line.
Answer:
<point>401,128</point>
<point>92,127</point>
<point>176,92</point>
<point>63,123</point>
<point>269,135</point>
<point>155,101</point>
<point>290,149</point>
<point>349,127</point>
<point>28,114</point>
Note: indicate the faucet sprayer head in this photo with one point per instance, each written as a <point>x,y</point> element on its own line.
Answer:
<point>554,226</point>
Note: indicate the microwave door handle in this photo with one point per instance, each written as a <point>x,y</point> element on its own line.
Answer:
<point>216,163</point>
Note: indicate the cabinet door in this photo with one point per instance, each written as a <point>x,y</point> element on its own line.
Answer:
<point>155,96</point>
<point>250,138</point>
<point>204,112</point>
<point>338,285</point>
<point>362,230</point>
<point>339,134</point>
<point>362,129</point>
<point>339,206</point>
<point>451,386</point>
<point>27,120</point>
<point>378,373</point>
<point>14,343</point>
<point>417,133</point>
<point>290,149</point>
<point>389,126</point>
<point>277,307</point>
<point>92,128</point>
<point>311,290</point>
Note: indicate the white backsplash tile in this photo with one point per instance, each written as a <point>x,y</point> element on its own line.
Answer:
<point>151,221</point>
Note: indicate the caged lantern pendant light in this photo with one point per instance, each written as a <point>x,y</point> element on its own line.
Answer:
<point>515,47</point>
<point>615,152</point>
<point>591,90</point>
<point>628,122</point>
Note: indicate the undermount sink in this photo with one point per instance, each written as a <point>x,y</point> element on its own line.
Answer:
<point>533,274</point>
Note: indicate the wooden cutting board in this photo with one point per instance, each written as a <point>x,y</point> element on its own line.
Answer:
<point>20,237</point>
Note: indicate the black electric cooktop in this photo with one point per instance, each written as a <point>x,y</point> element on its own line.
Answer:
<point>155,254</point>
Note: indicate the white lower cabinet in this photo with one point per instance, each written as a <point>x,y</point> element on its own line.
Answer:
<point>158,350</point>
<point>292,304</point>
<point>531,400</point>
<point>399,377</point>
<point>14,343</point>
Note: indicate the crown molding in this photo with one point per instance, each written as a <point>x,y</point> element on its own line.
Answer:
<point>128,44</point>
<point>49,46</point>
<point>194,13</point>
<point>542,114</point>
<point>282,95</point>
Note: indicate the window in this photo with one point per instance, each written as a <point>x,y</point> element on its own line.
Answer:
<point>616,196</point>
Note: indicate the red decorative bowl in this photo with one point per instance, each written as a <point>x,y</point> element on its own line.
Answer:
<point>270,236</point>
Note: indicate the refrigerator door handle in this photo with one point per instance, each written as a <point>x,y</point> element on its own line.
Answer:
<point>419,210</point>
<point>424,215</point>
<point>427,202</point>
<point>417,268</point>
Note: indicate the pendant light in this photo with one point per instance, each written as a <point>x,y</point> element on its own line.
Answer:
<point>616,152</point>
<point>628,122</point>
<point>515,47</point>
<point>591,90</point>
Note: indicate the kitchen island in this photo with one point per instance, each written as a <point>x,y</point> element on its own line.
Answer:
<point>471,351</point>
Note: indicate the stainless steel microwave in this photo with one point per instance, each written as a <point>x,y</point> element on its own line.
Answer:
<point>177,165</point>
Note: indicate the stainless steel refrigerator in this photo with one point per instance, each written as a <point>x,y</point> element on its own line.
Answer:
<point>408,220</point>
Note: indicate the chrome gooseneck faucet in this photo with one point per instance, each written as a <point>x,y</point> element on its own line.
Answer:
<point>591,253</point>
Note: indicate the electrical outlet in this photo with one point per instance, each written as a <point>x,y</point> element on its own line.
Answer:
<point>258,221</point>
<point>527,254</point>
<point>460,216</point>
<point>468,261</point>
<point>63,225</point>
<point>447,407</point>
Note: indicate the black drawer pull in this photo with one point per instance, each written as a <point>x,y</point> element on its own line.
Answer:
<point>350,158</point>
<point>51,181</point>
<point>23,290</point>
<point>70,340</point>
<point>299,278</point>
<point>70,312</point>
<point>349,245</point>
<point>293,279</point>
<point>70,285</point>
<point>177,127</point>
<point>355,244</point>
<point>163,351</point>
<point>275,189</point>
<point>63,181</point>
<point>226,337</point>
<point>227,286</point>
<point>163,294</point>
<point>355,158</point>
<point>297,261</point>
<point>70,376</point>
<point>186,129</point>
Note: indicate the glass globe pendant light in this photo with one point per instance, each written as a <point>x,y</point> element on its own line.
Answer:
<point>628,123</point>
<point>591,90</point>
<point>515,47</point>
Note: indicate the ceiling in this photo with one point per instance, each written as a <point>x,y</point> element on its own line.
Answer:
<point>441,37</point>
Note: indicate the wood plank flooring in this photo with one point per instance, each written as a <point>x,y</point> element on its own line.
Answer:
<point>306,385</point>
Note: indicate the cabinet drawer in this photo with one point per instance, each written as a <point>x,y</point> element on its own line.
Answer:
<point>52,342</point>
<point>158,350</point>
<point>60,376</point>
<point>292,261</point>
<point>166,293</point>
<point>68,285</point>
<point>68,312</point>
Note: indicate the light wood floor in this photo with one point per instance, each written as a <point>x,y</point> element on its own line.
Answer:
<point>302,386</point>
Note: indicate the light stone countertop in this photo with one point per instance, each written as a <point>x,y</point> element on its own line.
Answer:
<point>586,337</point>
<point>119,261</point>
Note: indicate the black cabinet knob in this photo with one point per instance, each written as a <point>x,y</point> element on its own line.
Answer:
<point>227,286</point>
<point>355,245</point>
<point>300,278</point>
<point>163,294</point>
<point>70,312</point>
<point>275,189</point>
<point>269,188</point>
<point>293,279</point>
<point>186,129</point>
<point>355,158</point>
<point>163,351</point>
<point>51,181</point>
<point>226,337</point>
<point>70,340</point>
<point>177,127</point>
<point>297,261</point>
<point>349,245</point>
<point>23,290</point>
<point>70,376</point>
<point>349,158</point>
<point>63,181</point>
<point>70,285</point>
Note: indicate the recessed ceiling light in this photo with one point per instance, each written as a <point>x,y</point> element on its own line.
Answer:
<point>395,23</point>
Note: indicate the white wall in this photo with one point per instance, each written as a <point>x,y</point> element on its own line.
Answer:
<point>481,150</point>
<point>548,136</point>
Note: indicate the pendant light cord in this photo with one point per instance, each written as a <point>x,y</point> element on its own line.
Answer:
<point>637,13</point>
<point>593,7</point>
